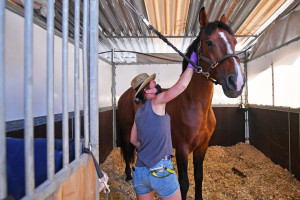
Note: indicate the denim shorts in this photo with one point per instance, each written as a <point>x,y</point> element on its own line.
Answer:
<point>144,182</point>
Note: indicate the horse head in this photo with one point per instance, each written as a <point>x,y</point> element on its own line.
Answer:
<point>215,46</point>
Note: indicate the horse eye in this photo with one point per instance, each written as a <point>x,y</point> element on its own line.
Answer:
<point>209,43</point>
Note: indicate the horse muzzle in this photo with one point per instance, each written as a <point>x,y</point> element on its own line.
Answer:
<point>233,85</point>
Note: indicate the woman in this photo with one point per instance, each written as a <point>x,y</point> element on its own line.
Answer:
<point>151,135</point>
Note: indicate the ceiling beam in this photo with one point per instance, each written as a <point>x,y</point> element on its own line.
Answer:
<point>120,37</point>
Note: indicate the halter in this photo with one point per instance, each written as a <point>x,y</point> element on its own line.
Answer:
<point>199,69</point>
<point>212,63</point>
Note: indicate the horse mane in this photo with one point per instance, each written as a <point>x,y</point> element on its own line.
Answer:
<point>209,29</point>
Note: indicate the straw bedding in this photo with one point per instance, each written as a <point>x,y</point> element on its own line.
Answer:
<point>236,172</point>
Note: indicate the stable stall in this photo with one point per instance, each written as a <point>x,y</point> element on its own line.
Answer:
<point>65,64</point>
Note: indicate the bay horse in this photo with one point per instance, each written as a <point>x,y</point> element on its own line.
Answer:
<point>192,117</point>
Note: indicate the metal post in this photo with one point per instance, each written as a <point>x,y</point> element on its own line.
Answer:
<point>289,128</point>
<point>247,141</point>
<point>247,134</point>
<point>94,107</point>
<point>65,120</point>
<point>246,76</point>
<point>113,90</point>
<point>273,99</point>
<point>94,124</point>
<point>50,89</point>
<point>28,115</point>
<point>85,73</point>
<point>76,78</point>
<point>3,185</point>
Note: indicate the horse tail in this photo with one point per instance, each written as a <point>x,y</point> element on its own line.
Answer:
<point>125,120</point>
<point>127,151</point>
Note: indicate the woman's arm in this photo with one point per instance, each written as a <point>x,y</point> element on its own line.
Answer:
<point>134,137</point>
<point>179,87</point>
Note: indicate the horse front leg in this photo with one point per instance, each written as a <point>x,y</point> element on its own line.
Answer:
<point>182,166</point>
<point>198,158</point>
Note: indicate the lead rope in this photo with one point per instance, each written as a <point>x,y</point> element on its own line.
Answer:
<point>102,177</point>
<point>198,68</point>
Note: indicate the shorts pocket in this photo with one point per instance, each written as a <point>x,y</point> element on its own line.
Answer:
<point>164,187</point>
<point>162,177</point>
<point>158,183</point>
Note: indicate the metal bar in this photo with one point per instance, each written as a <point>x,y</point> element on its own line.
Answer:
<point>247,136</point>
<point>94,124</point>
<point>247,132</point>
<point>276,108</point>
<point>246,74</point>
<point>289,128</point>
<point>3,184</point>
<point>274,49</point>
<point>94,112</point>
<point>65,120</point>
<point>50,89</point>
<point>113,90</point>
<point>76,78</point>
<point>139,37</point>
<point>273,85</point>
<point>85,73</point>
<point>28,99</point>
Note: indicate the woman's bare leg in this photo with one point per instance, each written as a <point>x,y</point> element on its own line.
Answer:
<point>147,196</point>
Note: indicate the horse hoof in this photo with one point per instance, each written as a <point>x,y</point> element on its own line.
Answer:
<point>128,178</point>
<point>129,182</point>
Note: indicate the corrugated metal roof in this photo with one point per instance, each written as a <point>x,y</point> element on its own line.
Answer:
<point>123,30</point>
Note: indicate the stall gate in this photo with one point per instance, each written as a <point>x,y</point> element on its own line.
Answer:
<point>80,172</point>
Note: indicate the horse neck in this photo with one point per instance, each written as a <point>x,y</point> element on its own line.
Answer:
<point>200,90</point>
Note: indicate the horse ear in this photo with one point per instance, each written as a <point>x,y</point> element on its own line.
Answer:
<point>223,19</point>
<point>203,18</point>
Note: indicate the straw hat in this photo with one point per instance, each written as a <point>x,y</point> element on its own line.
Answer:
<point>140,81</point>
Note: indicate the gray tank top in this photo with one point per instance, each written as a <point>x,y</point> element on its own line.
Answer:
<point>154,133</point>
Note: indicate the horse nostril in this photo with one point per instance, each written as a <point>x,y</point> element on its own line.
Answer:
<point>231,82</point>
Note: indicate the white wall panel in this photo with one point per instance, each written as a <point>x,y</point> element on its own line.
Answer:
<point>105,84</point>
<point>260,86</point>
<point>14,72</point>
<point>286,62</point>
<point>220,98</point>
<point>166,76</point>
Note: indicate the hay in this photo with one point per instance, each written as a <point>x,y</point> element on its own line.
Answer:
<point>236,172</point>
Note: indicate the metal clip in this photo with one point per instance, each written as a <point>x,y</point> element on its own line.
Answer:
<point>105,184</point>
<point>206,74</point>
<point>214,64</point>
<point>199,70</point>
<point>157,169</point>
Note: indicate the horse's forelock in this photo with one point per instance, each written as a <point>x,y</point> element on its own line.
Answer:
<point>210,28</point>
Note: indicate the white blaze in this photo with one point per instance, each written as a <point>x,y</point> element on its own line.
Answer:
<point>240,79</point>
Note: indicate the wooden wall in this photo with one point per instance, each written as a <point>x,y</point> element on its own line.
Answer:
<point>277,135</point>
<point>230,127</point>
<point>80,185</point>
